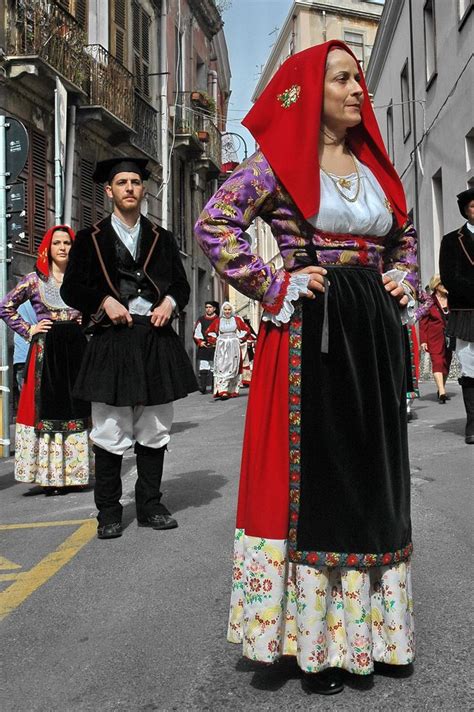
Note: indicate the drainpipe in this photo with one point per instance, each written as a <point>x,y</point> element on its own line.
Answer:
<point>212,85</point>
<point>164,113</point>
<point>416,219</point>
<point>68,178</point>
<point>325,34</point>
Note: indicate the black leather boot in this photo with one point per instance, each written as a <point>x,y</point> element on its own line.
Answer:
<point>107,493</point>
<point>327,682</point>
<point>203,381</point>
<point>467,385</point>
<point>150,511</point>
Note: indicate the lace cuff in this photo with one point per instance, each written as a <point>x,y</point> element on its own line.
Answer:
<point>298,283</point>
<point>407,313</point>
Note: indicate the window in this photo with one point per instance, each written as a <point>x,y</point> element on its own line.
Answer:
<point>118,30</point>
<point>464,7</point>
<point>77,8</point>
<point>470,151</point>
<point>438,217</point>
<point>430,40</point>
<point>91,196</point>
<point>405,100</point>
<point>390,141</point>
<point>355,40</point>
<point>141,49</point>
<point>180,202</point>
<point>35,178</point>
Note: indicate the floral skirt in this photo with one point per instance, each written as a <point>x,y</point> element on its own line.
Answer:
<point>52,459</point>
<point>325,617</point>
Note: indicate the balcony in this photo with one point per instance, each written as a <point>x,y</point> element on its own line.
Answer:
<point>145,125</point>
<point>197,135</point>
<point>41,33</point>
<point>110,90</point>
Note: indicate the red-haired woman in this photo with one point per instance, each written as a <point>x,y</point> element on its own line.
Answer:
<point>433,336</point>
<point>51,437</point>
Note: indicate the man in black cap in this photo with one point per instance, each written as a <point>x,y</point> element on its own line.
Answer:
<point>205,351</point>
<point>456,268</point>
<point>126,277</point>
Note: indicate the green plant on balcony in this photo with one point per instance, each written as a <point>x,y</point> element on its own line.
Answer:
<point>204,100</point>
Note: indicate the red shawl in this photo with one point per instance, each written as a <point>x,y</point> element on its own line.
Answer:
<point>42,263</point>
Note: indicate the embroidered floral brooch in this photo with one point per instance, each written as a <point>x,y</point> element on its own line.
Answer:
<point>289,96</point>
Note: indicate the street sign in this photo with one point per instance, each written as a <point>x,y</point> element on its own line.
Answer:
<point>16,147</point>
<point>16,198</point>
<point>16,227</point>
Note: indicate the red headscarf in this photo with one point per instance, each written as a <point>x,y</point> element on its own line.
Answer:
<point>42,263</point>
<point>285,122</point>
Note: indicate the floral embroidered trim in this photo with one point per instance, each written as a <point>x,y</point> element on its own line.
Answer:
<point>315,558</point>
<point>289,96</point>
<point>62,426</point>
<point>275,308</point>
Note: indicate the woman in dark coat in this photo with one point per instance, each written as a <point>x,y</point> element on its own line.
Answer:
<point>433,336</point>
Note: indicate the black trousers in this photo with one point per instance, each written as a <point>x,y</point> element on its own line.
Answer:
<point>108,483</point>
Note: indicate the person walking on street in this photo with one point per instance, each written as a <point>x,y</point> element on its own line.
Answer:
<point>205,352</point>
<point>52,447</point>
<point>125,275</point>
<point>456,267</point>
<point>323,540</point>
<point>227,332</point>
<point>433,337</point>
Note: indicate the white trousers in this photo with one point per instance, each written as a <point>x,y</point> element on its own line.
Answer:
<point>465,354</point>
<point>116,429</point>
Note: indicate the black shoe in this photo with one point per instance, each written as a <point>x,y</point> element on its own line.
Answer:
<point>393,670</point>
<point>55,491</point>
<point>442,398</point>
<point>163,520</point>
<point>327,682</point>
<point>109,531</point>
<point>469,439</point>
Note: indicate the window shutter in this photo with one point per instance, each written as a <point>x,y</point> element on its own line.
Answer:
<point>92,207</point>
<point>35,178</point>
<point>81,13</point>
<point>141,48</point>
<point>118,30</point>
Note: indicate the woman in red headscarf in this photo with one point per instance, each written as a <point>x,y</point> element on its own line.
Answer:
<point>51,438</point>
<point>323,540</point>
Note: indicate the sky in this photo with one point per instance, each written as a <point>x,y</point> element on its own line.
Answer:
<point>251,27</point>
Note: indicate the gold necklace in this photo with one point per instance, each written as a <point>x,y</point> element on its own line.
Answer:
<point>344,183</point>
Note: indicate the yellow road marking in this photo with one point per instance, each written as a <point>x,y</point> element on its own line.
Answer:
<point>12,577</point>
<point>18,592</point>
<point>7,565</point>
<point>32,525</point>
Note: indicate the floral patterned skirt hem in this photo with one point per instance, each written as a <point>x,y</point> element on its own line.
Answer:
<point>52,459</point>
<point>325,617</point>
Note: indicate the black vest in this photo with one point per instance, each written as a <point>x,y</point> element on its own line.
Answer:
<point>132,280</point>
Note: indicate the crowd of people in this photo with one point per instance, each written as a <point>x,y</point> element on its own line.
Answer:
<point>323,544</point>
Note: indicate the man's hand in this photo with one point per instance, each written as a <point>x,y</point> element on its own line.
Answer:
<point>316,281</point>
<point>161,314</point>
<point>396,290</point>
<point>116,312</point>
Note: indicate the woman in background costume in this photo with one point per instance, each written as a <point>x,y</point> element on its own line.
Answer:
<point>227,332</point>
<point>433,336</point>
<point>52,446</point>
<point>323,540</point>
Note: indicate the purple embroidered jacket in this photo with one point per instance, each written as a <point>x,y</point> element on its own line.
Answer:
<point>29,287</point>
<point>254,191</point>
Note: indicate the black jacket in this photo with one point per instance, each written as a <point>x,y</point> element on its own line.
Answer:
<point>456,267</point>
<point>92,275</point>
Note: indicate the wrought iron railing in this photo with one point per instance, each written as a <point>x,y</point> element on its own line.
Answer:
<point>213,147</point>
<point>110,84</point>
<point>146,127</point>
<point>39,27</point>
<point>188,120</point>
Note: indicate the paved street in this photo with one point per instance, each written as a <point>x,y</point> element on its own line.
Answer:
<point>138,623</point>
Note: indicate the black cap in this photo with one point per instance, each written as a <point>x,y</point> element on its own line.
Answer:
<point>464,198</point>
<point>214,304</point>
<point>106,170</point>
